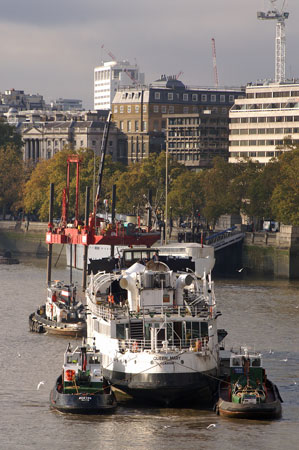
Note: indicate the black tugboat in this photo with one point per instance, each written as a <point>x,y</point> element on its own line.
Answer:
<point>247,393</point>
<point>81,388</point>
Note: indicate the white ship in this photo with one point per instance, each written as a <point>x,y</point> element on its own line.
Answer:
<point>156,330</point>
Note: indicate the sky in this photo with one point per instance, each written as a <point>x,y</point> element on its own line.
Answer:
<point>51,47</point>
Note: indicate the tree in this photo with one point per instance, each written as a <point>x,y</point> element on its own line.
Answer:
<point>133,185</point>
<point>36,198</point>
<point>219,193</point>
<point>186,196</point>
<point>11,178</point>
<point>9,135</point>
<point>285,197</point>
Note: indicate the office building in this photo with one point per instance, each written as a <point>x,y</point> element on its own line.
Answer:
<point>263,120</point>
<point>141,114</point>
<point>111,76</point>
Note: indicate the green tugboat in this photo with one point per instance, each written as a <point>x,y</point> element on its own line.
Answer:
<point>81,388</point>
<point>247,393</point>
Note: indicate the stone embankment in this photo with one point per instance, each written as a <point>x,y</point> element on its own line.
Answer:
<point>26,239</point>
<point>275,254</point>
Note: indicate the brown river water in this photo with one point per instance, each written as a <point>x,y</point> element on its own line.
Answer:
<point>261,313</point>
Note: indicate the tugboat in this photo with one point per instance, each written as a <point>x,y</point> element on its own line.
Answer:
<point>156,331</point>
<point>61,314</point>
<point>247,393</point>
<point>81,388</point>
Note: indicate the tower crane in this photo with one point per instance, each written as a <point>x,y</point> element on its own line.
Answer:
<point>216,80</point>
<point>280,40</point>
<point>109,53</point>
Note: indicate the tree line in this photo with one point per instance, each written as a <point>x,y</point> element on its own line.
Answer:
<point>248,187</point>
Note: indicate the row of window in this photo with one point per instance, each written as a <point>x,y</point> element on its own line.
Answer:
<point>268,94</point>
<point>194,97</point>
<point>260,142</point>
<point>268,154</point>
<point>102,75</point>
<point>132,125</point>
<point>184,121</point>
<point>163,109</point>
<point>264,119</point>
<point>265,106</point>
<point>183,133</point>
<point>130,109</point>
<point>265,131</point>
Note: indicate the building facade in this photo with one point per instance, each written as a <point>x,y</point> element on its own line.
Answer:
<point>43,139</point>
<point>67,104</point>
<point>196,139</point>
<point>143,115</point>
<point>261,122</point>
<point>13,98</point>
<point>111,76</point>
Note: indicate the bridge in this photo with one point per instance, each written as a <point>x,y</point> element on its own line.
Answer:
<point>224,238</point>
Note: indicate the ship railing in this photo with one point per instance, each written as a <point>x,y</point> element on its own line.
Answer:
<point>115,311</point>
<point>198,345</point>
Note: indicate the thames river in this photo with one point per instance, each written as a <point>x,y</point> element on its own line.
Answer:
<point>262,314</point>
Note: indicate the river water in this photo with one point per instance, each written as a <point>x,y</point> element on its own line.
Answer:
<point>262,314</point>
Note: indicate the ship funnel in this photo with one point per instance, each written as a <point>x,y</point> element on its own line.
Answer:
<point>182,281</point>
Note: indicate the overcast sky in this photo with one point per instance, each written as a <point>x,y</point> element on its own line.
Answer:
<point>51,47</point>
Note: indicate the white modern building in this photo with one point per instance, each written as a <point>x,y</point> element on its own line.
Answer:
<point>261,122</point>
<point>109,77</point>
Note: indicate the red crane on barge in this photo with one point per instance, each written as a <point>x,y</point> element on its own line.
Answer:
<point>94,231</point>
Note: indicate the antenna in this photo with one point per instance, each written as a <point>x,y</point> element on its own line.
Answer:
<point>216,80</point>
<point>280,38</point>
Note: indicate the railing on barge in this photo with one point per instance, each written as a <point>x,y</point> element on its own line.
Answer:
<point>114,312</point>
<point>140,345</point>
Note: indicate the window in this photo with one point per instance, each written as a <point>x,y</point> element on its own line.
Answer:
<point>204,98</point>
<point>144,108</point>
<point>170,96</point>
<point>121,125</point>
<point>163,109</point>
<point>94,143</point>
<point>185,97</point>
<point>129,109</point>
<point>81,143</point>
<point>194,97</point>
<point>157,96</point>
<point>121,109</point>
<point>156,125</point>
<point>144,125</point>
<point>137,109</point>
<point>156,108</point>
<point>115,108</point>
<point>222,98</point>
<point>185,110</point>
<point>136,125</point>
<point>213,98</point>
<point>129,125</point>
<point>231,98</point>
<point>171,109</point>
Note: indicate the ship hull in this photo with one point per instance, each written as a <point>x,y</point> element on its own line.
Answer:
<point>269,410</point>
<point>167,389</point>
<point>82,403</point>
<point>40,324</point>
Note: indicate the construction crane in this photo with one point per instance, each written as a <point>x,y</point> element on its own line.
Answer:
<point>109,53</point>
<point>280,40</point>
<point>178,75</point>
<point>216,80</point>
<point>127,72</point>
